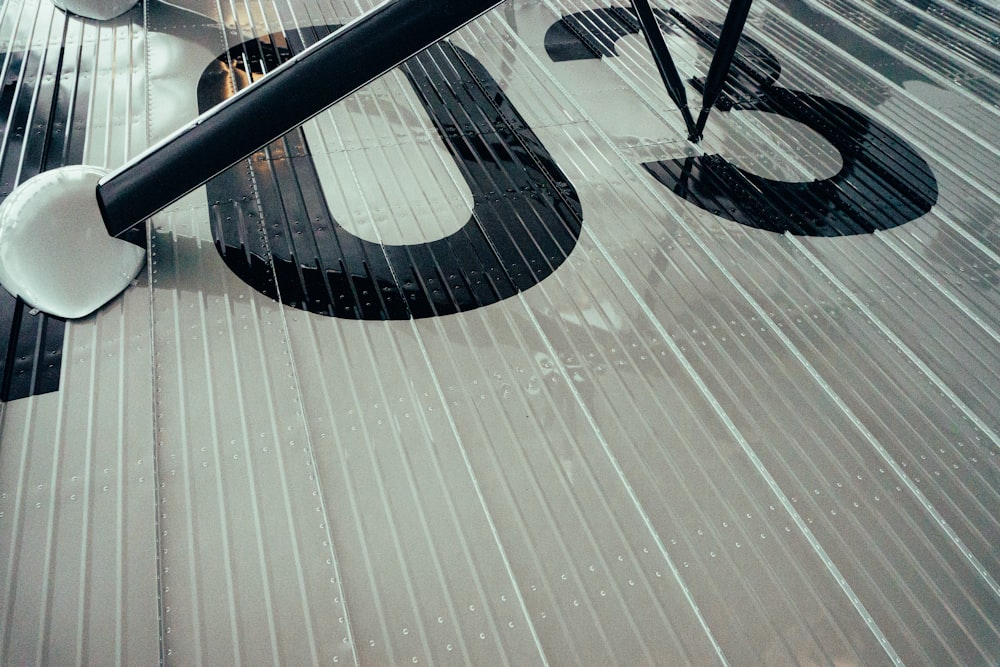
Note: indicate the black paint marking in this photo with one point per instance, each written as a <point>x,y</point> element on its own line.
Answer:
<point>32,358</point>
<point>525,221</point>
<point>595,33</point>
<point>43,123</point>
<point>883,183</point>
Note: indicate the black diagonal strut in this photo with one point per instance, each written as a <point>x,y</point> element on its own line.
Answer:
<point>664,63</point>
<point>722,60</point>
<point>320,76</point>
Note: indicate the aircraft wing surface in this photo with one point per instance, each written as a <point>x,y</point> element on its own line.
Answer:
<point>489,364</point>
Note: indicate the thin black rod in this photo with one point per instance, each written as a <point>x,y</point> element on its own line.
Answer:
<point>722,60</point>
<point>320,76</point>
<point>664,63</point>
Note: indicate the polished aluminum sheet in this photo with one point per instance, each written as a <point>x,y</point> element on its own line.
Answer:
<point>693,442</point>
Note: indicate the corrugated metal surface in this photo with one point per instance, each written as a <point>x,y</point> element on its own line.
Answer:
<point>693,441</point>
<point>77,471</point>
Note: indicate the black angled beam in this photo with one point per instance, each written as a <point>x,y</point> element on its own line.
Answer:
<point>320,76</point>
<point>722,60</point>
<point>664,63</point>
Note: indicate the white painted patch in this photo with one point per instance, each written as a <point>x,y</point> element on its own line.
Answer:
<point>55,252</point>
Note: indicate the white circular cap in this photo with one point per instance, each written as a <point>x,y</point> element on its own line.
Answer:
<point>101,10</point>
<point>55,252</point>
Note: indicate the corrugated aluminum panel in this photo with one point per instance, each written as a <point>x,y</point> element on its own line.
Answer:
<point>77,471</point>
<point>692,441</point>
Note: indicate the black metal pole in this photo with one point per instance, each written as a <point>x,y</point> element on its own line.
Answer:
<point>320,76</point>
<point>664,63</point>
<point>722,60</point>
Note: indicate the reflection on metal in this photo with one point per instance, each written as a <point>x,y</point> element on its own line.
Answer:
<point>716,418</point>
